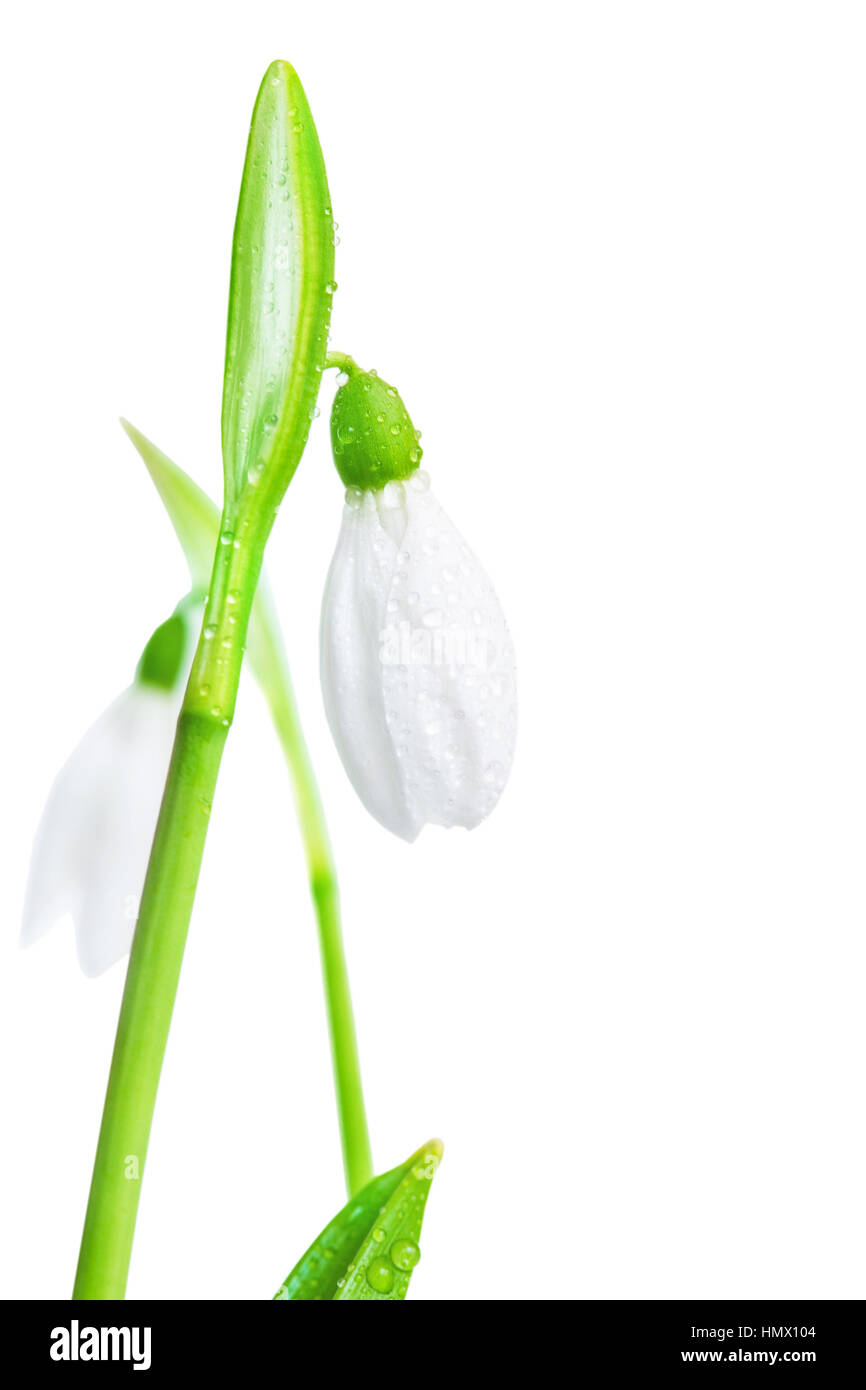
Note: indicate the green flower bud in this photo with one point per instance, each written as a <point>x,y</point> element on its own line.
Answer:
<point>372,436</point>
<point>162,657</point>
<point>164,660</point>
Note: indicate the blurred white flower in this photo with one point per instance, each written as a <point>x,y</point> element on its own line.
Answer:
<point>93,843</point>
<point>417,665</point>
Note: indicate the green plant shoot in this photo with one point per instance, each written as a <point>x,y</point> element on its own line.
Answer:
<point>279,310</point>
<point>369,1250</point>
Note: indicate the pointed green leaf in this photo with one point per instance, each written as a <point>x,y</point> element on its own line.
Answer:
<point>193,515</point>
<point>371,1247</point>
<point>196,521</point>
<point>280,295</point>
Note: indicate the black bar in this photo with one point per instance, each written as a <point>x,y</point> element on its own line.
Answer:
<point>237,1338</point>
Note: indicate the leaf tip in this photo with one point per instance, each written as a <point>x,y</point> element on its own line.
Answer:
<point>280,74</point>
<point>140,441</point>
<point>425,1162</point>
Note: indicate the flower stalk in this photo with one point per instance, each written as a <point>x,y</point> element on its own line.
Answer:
<point>272,671</point>
<point>160,934</point>
<point>279,310</point>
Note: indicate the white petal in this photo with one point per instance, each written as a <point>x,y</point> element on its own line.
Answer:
<point>353,608</point>
<point>413,630</point>
<point>94,839</point>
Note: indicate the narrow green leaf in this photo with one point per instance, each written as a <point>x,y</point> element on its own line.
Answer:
<point>280,295</point>
<point>371,1247</point>
<point>196,521</point>
<point>193,515</point>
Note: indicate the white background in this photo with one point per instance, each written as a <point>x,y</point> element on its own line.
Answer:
<point>613,257</point>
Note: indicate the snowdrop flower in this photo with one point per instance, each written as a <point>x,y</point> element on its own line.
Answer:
<point>417,666</point>
<point>94,839</point>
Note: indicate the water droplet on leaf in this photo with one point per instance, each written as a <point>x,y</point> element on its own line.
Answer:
<point>380,1275</point>
<point>405,1254</point>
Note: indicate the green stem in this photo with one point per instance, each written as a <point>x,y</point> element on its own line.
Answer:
<point>342,362</point>
<point>160,934</point>
<point>273,672</point>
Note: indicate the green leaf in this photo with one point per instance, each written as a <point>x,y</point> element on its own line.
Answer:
<point>196,521</point>
<point>282,280</point>
<point>371,1247</point>
<point>193,515</point>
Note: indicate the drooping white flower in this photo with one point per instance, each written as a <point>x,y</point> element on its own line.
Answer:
<point>417,665</point>
<point>93,843</point>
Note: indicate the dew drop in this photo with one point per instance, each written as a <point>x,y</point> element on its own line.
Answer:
<point>380,1275</point>
<point>405,1254</point>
